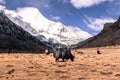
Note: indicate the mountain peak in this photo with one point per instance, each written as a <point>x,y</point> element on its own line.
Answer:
<point>37,25</point>
<point>107,26</point>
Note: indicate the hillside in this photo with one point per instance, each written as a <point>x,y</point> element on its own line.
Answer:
<point>87,66</point>
<point>108,36</point>
<point>15,39</point>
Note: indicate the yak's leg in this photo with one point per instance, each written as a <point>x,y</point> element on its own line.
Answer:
<point>57,60</point>
<point>71,57</point>
<point>63,60</point>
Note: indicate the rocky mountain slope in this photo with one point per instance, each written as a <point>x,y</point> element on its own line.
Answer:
<point>44,29</point>
<point>110,35</point>
<point>15,38</point>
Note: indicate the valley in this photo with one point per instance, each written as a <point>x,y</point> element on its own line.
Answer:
<point>88,65</point>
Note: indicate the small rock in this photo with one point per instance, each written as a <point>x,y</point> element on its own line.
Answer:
<point>118,75</point>
<point>9,65</point>
<point>10,71</point>
<point>81,78</point>
<point>80,52</point>
<point>1,76</point>
<point>61,65</point>
<point>30,67</point>
<point>93,70</point>
<point>59,71</point>
<point>65,77</point>
<point>105,72</point>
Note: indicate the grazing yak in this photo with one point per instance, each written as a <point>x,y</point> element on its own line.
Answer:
<point>63,53</point>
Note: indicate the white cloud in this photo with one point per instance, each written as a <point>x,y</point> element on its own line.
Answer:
<point>56,18</point>
<point>80,33</point>
<point>97,24</point>
<point>86,3</point>
<point>2,1</point>
<point>2,7</point>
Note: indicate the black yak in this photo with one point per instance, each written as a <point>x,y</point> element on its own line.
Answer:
<point>63,53</point>
<point>98,51</point>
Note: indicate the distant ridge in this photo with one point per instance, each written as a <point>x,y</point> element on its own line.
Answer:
<point>110,35</point>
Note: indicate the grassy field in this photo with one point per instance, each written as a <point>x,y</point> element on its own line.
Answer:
<point>88,65</point>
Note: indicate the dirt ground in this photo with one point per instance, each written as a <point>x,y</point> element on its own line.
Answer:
<point>88,65</point>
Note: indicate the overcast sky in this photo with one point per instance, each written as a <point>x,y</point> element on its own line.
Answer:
<point>88,16</point>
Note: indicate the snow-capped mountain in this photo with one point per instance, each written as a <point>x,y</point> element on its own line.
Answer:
<point>45,30</point>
